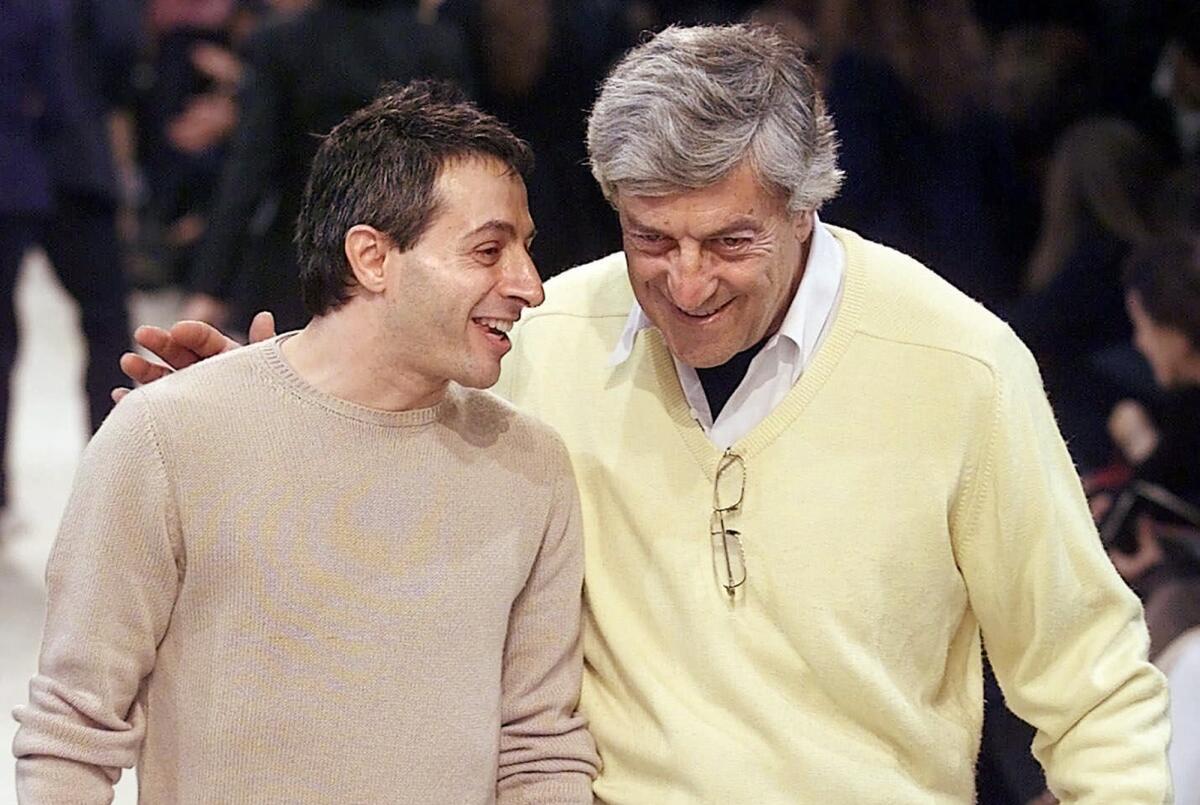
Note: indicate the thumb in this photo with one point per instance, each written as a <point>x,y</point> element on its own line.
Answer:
<point>262,326</point>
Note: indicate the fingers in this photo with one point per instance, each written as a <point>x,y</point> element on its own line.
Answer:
<point>165,345</point>
<point>151,337</point>
<point>184,344</point>
<point>262,327</point>
<point>140,370</point>
<point>196,341</point>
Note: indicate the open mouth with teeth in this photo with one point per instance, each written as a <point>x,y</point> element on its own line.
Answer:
<point>701,315</point>
<point>495,328</point>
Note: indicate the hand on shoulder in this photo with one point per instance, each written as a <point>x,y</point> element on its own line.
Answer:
<point>185,343</point>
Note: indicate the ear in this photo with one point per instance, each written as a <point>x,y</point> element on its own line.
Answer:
<point>803,223</point>
<point>366,252</point>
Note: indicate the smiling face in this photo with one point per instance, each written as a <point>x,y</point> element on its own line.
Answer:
<point>454,295</point>
<point>714,269</point>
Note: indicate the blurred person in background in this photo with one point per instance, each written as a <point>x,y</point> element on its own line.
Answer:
<point>1124,36</point>
<point>538,63</point>
<point>191,111</point>
<point>1161,443</point>
<point>64,73</point>
<point>931,170</point>
<point>187,60</point>
<point>1096,209</point>
<point>1162,292</point>
<point>1044,80</point>
<point>1172,116</point>
<point>303,72</point>
<point>1160,438</point>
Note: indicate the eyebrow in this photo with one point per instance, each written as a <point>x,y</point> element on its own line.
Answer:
<point>739,224</point>
<point>496,224</point>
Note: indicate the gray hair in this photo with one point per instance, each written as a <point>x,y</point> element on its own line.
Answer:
<point>684,109</point>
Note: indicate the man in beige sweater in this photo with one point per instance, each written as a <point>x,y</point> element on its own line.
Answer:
<point>326,568</point>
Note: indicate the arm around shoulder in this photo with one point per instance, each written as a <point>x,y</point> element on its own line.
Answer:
<point>111,583</point>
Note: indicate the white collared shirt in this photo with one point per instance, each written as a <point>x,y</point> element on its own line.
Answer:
<point>781,361</point>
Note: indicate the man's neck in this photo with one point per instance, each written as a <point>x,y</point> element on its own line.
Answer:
<point>345,355</point>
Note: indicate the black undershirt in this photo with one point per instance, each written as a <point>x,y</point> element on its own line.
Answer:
<point>719,382</point>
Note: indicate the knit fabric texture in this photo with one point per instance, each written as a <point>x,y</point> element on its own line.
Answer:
<point>908,495</point>
<point>263,594</point>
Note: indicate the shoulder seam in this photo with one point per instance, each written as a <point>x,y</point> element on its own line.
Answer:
<point>977,359</point>
<point>975,484</point>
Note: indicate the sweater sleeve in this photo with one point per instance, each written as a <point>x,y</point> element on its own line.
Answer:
<point>111,585</point>
<point>546,752</point>
<point>1065,635</point>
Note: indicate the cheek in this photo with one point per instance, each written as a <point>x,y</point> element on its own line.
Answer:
<point>644,269</point>
<point>646,274</point>
<point>759,286</point>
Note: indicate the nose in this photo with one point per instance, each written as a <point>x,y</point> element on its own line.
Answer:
<point>521,280</point>
<point>689,283</point>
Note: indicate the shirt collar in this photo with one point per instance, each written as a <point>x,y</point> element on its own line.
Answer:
<point>806,316</point>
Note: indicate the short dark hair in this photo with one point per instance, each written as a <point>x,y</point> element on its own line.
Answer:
<point>1165,274</point>
<point>379,167</point>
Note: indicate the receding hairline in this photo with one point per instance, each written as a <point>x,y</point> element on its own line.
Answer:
<point>495,224</point>
<point>468,155</point>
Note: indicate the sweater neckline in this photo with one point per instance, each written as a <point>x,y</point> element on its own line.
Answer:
<point>845,324</point>
<point>282,371</point>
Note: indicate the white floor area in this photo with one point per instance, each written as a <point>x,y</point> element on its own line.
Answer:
<point>47,433</point>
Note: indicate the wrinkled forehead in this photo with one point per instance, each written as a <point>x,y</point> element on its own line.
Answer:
<point>739,195</point>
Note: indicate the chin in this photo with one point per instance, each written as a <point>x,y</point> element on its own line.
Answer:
<point>480,378</point>
<point>704,356</point>
<point>709,361</point>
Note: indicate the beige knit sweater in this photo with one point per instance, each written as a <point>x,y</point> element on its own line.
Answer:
<point>262,594</point>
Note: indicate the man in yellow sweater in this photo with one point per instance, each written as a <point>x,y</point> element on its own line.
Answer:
<point>328,568</point>
<point>813,474</point>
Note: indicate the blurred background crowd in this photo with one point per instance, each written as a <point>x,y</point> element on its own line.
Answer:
<point>1042,156</point>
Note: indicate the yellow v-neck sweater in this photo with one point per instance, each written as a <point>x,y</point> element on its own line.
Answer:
<point>263,594</point>
<point>910,492</point>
